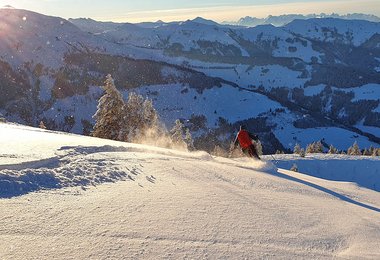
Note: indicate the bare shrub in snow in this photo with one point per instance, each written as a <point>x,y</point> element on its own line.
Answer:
<point>294,168</point>
<point>219,151</point>
<point>235,153</point>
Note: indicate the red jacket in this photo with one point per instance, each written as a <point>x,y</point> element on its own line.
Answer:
<point>244,139</point>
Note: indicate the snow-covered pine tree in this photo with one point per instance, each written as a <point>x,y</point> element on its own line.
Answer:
<point>318,147</point>
<point>176,134</point>
<point>150,115</point>
<point>42,125</point>
<point>297,149</point>
<point>310,148</point>
<point>302,152</point>
<point>189,140</point>
<point>371,150</point>
<point>110,113</point>
<point>354,149</point>
<point>366,152</point>
<point>332,150</point>
<point>134,117</point>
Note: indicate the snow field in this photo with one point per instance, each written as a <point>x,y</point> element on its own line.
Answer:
<point>175,205</point>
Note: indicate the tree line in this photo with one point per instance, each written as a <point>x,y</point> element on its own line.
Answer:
<point>135,120</point>
<point>318,147</point>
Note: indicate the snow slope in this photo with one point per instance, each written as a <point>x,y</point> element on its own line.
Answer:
<point>172,204</point>
<point>38,48</point>
<point>178,101</point>
<point>330,29</point>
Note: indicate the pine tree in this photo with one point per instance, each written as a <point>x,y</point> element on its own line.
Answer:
<point>371,150</point>
<point>177,131</point>
<point>332,150</point>
<point>177,134</point>
<point>315,147</point>
<point>318,147</point>
<point>110,113</point>
<point>189,140</point>
<point>149,114</point>
<point>134,117</point>
<point>42,125</point>
<point>297,149</point>
<point>366,152</point>
<point>354,149</point>
<point>310,148</point>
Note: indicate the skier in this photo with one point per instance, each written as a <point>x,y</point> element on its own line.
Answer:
<point>244,139</point>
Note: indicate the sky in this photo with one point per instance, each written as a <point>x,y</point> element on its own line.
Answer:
<point>179,10</point>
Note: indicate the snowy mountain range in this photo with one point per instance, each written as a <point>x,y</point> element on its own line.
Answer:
<point>310,80</point>
<point>66,196</point>
<point>282,20</point>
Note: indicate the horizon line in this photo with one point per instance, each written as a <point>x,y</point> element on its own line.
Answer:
<point>228,13</point>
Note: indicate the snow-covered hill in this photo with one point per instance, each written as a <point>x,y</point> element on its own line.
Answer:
<point>65,196</point>
<point>354,32</point>
<point>280,81</point>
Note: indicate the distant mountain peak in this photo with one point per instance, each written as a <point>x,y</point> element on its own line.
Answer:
<point>282,20</point>
<point>8,7</point>
<point>202,20</point>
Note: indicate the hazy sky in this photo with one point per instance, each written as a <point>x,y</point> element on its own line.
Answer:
<point>169,10</point>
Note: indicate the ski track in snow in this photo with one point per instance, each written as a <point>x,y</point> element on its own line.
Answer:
<point>163,204</point>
